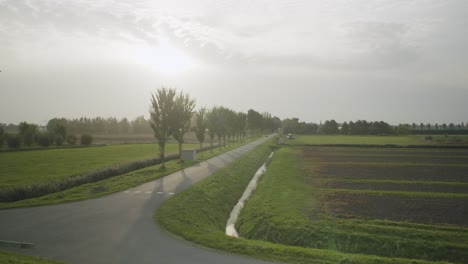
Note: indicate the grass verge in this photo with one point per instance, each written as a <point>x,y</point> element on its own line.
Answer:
<point>277,213</point>
<point>15,258</point>
<point>115,184</point>
<point>200,213</point>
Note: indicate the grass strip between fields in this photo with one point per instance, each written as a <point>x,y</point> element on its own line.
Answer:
<point>200,213</point>
<point>329,179</point>
<point>116,183</point>
<point>387,163</point>
<point>285,209</point>
<point>15,258</point>
<point>399,193</point>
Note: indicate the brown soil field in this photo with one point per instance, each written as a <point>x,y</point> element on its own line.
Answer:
<point>426,210</point>
<point>393,172</point>
<point>338,164</point>
<point>447,160</point>
<point>386,151</point>
<point>442,188</point>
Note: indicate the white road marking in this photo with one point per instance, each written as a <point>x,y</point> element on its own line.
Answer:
<point>126,191</point>
<point>148,192</point>
<point>171,193</point>
<point>137,191</point>
<point>160,192</point>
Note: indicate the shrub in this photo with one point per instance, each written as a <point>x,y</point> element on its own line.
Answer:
<point>71,139</point>
<point>44,140</point>
<point>13,141</point>
<point>86,139</point>
<point>58,139</point>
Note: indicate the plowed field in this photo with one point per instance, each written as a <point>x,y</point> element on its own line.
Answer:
<point>420,186</point>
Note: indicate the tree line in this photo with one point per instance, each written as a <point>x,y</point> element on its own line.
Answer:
<point>363,127</point>
<point>29,135</point>
<point>173,114</point>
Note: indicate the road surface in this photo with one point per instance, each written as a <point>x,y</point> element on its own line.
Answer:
<point>118,228</point>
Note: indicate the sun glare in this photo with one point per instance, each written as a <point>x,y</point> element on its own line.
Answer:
<point>165,58</point>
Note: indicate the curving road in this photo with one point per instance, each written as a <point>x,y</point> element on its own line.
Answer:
<point>118,228</point>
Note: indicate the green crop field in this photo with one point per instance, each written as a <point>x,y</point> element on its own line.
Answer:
<point>395,203</point>
<point>376,140</point>
<point>33,167</point>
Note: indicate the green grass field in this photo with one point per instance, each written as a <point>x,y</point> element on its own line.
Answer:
<point>376,140</point>
<point>290,207</point>
<point>117,183</point>
<point>33,167</point>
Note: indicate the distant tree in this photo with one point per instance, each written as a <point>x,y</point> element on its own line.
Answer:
<point>140,125</point>
<point>428,125</point>
<point>254,121</point>
<point>13,140</point>
<point>344,129</point>
<point>2,136</point>
<point>444,126</point>
<point>241,125</point>
<point>27,132</point>
<point>291,125</point>
<point>86,139</point>
<point>220,123</point>
<point>162,107</point>
<point>58,140</point>
<point>43,139</point>
<point>330,127</point>
<point>180,117</point>
<point>72,139</point>
<point>211,121</point>
<point>403,129</point>
<point>124,126</point>
<point>201,126</point>
<point>57,126</point>
<point>436,126</point>
<point>451,126</point>
<point>277,123</point>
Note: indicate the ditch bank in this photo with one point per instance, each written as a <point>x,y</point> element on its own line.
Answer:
<point>230,226</point>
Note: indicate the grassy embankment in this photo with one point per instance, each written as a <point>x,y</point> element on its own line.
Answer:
<point>113,184</point>
<point>200,213</point>
<point>14,258</point>
<point>279,212</point>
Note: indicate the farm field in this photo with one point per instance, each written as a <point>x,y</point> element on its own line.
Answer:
<point>378,140</point>
<point>399,203</point>
<point>28,167</point>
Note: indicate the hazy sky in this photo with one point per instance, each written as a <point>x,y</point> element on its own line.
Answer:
<point>393,60</point>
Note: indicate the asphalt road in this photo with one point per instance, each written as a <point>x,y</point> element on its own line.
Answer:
<point>118,228</point>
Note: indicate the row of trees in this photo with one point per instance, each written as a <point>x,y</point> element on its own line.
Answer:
<point>360,127</point>
<point>30,134</point>
<point>172,115</point>
<point>101,125</point>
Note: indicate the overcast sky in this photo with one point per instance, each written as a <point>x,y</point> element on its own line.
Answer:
<point>400,61</point>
